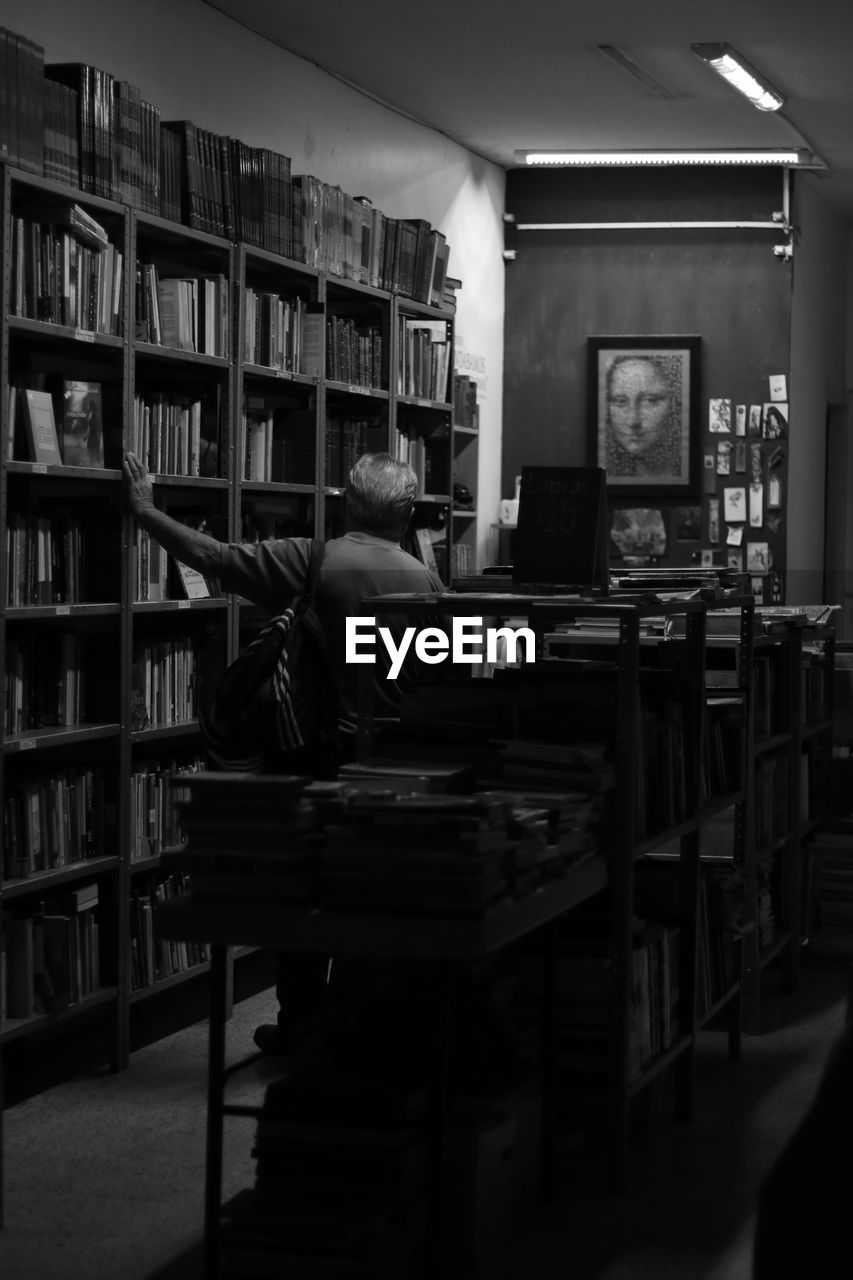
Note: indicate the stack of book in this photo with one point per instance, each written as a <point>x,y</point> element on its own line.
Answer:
<point>556,766</point>
<point>249,837</point>
<point>341,1180</point>
<point>563,822</point>
<point>438,854</point>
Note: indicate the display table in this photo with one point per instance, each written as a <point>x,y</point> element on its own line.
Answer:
<point>447,940</point>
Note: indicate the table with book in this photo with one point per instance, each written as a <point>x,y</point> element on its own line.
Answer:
<point>272,864</point>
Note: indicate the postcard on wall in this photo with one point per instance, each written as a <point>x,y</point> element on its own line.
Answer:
<point>734,535</point>
<point>713,519</point>
<point>740,420</point>
<point>756,506</point>
<point>758,557</point>
<point>756,586</point>
<point>706,558</point>
<point>740,456</point>
<point>755,462</point>
<point>709,476</point>
<point>778,387</point>
<point>775,421</point>
<point>734,560</point>
<point>719,415</point>
<point>755,419</point>
<point>774,492</point>
<point>734,505</point>
<point>724,458</point>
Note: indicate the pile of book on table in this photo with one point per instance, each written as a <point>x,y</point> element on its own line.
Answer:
<point>442,854</point>
<point>340,1185</point>
<point>247,836</point>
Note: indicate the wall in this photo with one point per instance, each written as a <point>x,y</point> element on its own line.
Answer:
<point>726,286</point>
<point>194,62</point>
<point>818,349</point>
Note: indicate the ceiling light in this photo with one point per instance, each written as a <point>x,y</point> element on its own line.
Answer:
<point>589,159</point>
<point>729,64</point>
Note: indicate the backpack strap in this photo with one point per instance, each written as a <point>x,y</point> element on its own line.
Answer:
<point>315,562</point>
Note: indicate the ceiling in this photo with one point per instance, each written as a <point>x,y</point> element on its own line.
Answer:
<point>499,75</point>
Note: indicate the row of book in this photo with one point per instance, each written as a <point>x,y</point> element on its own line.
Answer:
<point>63,273</point>
<point>46,682</point>
<point>80,125</point>
<point>52,820</point>
<point>347,438</point>
<point>64,427</point>
<point>154,824</point>
<point>154,959</point>
<point>424,359</point>
<point>465,409</point>
<point>158,576</point>
<point>417,451</point>
<point>173,433</point>
<point>278,444</point>
<point>277,332</point>
<point>46,560</point>
<point>50,959</point>
<point>355,352</point>
<point>165,680</point>
<point>186,313</point>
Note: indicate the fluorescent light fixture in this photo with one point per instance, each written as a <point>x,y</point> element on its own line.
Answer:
<point>591,159</point>
<point>729,64</point>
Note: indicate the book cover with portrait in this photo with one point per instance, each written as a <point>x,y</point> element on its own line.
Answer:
<point>82,428</point>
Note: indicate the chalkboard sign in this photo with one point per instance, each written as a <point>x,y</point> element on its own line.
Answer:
<point>561,537</point>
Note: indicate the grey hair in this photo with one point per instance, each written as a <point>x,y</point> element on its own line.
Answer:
<point>380,495</point>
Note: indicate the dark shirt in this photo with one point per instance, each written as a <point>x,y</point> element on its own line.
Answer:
<point>358,565</point>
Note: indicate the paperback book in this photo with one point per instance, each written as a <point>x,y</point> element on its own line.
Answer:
<point>82,424</point>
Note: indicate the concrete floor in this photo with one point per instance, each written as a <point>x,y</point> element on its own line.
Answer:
<point>104,1173</point>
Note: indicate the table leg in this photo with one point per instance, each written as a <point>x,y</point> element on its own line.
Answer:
<point>215,1103</point>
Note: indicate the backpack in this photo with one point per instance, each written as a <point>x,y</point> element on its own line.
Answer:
<point>278,696</point>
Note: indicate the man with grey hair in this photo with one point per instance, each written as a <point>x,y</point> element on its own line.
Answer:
<point>366,561</point>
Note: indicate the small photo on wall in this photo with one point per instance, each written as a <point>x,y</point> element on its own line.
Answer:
<point>639,531</point>
<point>719,415</point>
<point>688,523</point>
<point>775,420</point>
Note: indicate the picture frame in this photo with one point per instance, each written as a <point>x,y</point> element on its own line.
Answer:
<point>643,400</point>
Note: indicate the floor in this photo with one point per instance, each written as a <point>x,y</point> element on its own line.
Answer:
<point>104,1173</point>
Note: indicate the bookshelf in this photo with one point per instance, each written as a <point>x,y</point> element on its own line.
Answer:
<point>789,753</point>
<point>617,682</point>
<point>466,457</point>
<point>248,381</point>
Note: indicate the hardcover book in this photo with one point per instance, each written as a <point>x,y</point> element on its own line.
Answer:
<point>40,426</point>
<point>82,424</point>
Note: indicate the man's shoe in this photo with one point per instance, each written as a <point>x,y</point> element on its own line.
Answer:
<point>271,1039</point>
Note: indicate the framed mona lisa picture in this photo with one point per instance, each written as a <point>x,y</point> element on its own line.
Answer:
<point>643,404</point>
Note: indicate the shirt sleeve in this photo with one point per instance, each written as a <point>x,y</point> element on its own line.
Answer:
<point>270,574</point>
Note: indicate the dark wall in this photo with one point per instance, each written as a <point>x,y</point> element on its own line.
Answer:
<point>726,286</point>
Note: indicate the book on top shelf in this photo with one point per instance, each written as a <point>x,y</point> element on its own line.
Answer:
<point>40,425</point>
<point>82,424</point>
